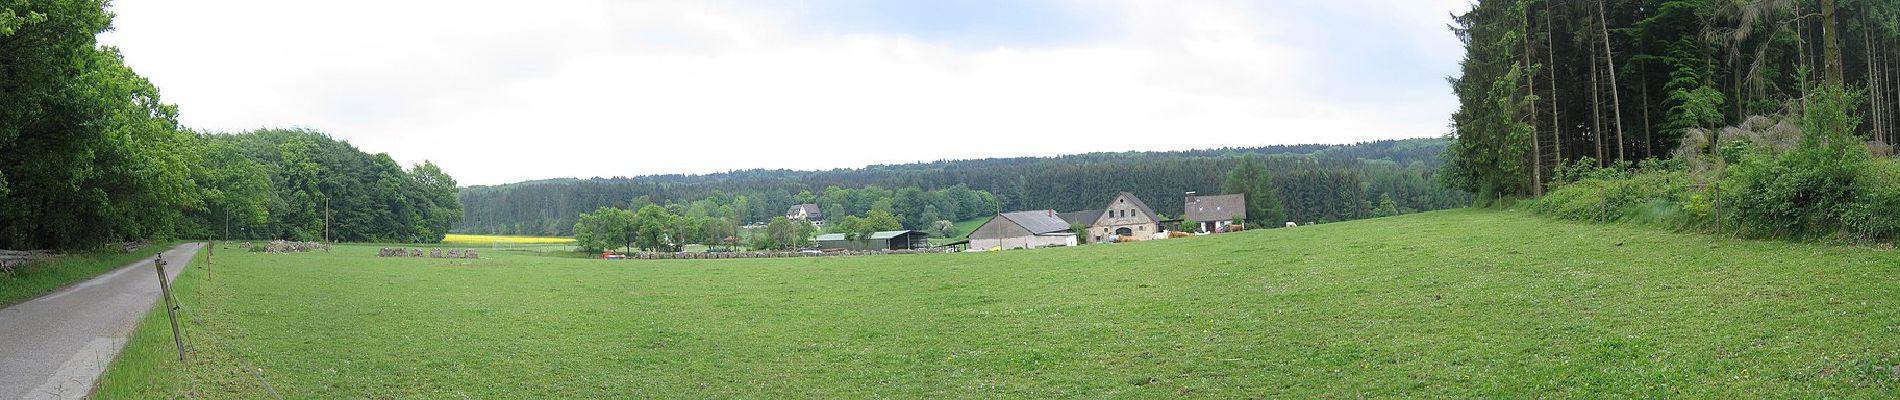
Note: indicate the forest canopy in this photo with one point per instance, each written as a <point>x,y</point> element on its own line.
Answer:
<point>90,155</point>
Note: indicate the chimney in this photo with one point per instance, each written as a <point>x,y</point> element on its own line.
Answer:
<point>1190,198</point>
<point>1052,213</point>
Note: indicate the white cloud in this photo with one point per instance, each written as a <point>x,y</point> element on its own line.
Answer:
<point>495,92</point>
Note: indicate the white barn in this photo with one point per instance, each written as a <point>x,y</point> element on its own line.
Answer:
<point>1022,229</point>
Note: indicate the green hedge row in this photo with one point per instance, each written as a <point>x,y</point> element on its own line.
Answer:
<point>1828,187</point>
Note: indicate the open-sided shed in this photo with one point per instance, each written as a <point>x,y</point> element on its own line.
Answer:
<point>883,240</point>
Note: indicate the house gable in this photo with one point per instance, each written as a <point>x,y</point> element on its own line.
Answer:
<point>805,212</point>
<point>1125,209</point>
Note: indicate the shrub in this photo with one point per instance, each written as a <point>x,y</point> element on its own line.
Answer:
<point>1803,192</point>
<point>1585,168</point>
<point>1648,195</point>
<point>1874,215</point>
<point>1815,180</point>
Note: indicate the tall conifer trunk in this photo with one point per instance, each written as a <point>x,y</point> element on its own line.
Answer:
<point>1642,73</point>
<point>1596,107</point>
<point>1537,148</point>
<point>1609,60</point>
<point>1830,34</point>
<point>1873,86</point>
<point>1550,54</point>
<point>1886,78</point>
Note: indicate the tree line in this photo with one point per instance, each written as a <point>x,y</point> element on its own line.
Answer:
<point>1545,83</point>
<point>1401,170</point>
<point>716,220</point>
<point>90,155</point>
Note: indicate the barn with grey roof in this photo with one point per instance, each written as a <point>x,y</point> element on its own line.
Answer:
<point>1022,229</point>
<point>1214,213</point>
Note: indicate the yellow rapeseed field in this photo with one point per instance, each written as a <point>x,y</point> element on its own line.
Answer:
<point>502,239</point>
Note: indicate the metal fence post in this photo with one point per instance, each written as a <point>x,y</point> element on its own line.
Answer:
<point>171,305</point>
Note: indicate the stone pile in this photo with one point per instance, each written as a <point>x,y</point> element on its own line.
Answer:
<point>432,253</point>
<point>286,247</point>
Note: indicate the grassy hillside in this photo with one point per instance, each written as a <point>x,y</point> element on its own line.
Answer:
<point>1466,303</point>
<point>964,227</point>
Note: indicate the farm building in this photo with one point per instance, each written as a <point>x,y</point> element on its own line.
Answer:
<point>1022,229</point>
<point>1126,218</point>
<point>1214,213</point>
<point>805,212</point>
<point>1084,218</point>
<point>884,240</point>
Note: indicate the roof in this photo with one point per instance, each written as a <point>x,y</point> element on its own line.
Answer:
<point>889,234</point>
<point>1038,222</point>
<point>879,235</point>
<point>1138,204</point>
<point>1215,208</point>
<point>1084,217</point>
<point>809,208</point>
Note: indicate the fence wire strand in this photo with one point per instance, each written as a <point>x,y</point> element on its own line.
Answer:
<point>243,361</point>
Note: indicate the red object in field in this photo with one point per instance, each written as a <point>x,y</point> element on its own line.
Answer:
<point>609,255</point>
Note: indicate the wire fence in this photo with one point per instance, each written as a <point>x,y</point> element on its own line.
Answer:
<point>188,315</point>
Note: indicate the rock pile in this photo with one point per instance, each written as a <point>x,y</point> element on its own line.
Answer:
<point>433,253</point>
<point>285,247</point>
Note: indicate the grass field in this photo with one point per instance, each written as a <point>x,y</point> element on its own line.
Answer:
<point>32,280</point>
<point>1467,303</point>
<point>965,226</point>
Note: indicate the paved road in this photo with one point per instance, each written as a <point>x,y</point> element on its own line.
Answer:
<point>55,346</point>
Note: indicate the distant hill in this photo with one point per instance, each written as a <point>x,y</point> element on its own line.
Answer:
<point>1400,169</point>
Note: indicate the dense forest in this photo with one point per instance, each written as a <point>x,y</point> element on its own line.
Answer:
<point>320,188</point>
<point>89,155</point>
<point>1548,82</point>
<point>1771,118</point>
<point>1357,177</point>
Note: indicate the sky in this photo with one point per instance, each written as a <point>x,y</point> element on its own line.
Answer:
<point>498,92</point>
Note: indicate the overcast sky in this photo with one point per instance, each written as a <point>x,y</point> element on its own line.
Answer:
<point>498,92</point>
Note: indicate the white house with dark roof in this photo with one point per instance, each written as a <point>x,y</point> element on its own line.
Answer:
<point>807,212</point>
<point>1214,213</point>
<point>1022,229</point>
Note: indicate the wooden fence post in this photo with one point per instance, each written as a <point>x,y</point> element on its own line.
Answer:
<point>1603,206</point>
<point>1721,225</point>
<point>171,305</point>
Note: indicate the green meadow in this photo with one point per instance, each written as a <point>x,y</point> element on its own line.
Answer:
<point>1463,303</point>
